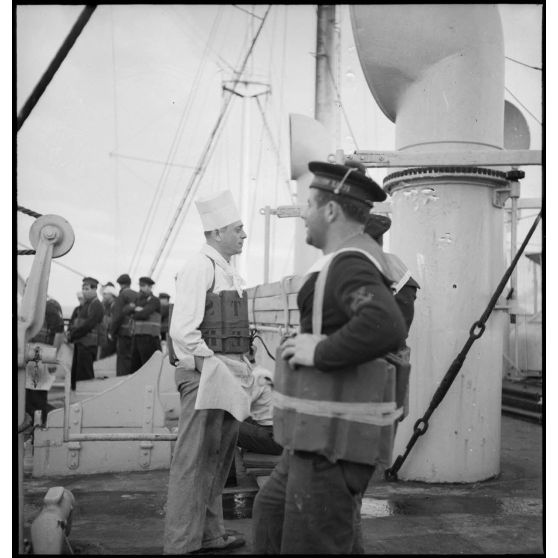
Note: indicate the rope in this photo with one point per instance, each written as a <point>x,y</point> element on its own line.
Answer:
<point>477,329</point>
<point>29,212</point>
<point>523,63</point>
<point>173,150</point>
<point>26,252</point>
<point>204,159</point>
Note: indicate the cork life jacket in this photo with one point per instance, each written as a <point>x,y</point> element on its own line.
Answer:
<point>125,329</point>
<point>225,327</point>
<point>91,338</point>
<point>151,326</point>
<point>347,414</point>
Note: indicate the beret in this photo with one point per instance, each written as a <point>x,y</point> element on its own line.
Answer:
<point>377,225</point>
<point>124,279</point>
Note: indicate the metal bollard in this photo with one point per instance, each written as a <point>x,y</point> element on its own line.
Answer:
<point>51,527</point>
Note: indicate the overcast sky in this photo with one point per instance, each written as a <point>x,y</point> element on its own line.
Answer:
<point>142,86</point>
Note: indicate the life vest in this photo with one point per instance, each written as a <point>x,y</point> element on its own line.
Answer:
<point>90,339</point>
<point>225,327</point>
<point>347,414</point>
<point>151,326</point>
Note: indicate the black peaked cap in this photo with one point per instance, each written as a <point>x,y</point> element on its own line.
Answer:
<point>356,185</point>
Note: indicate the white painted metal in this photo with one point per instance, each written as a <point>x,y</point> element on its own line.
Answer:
<point>129,407</point>
<point>438,72</point>
<point>441,157</point>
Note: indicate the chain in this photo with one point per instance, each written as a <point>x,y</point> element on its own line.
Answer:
<point>477,329</point>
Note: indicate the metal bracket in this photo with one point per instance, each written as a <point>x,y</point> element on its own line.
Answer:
<point>147,426</point>
<point>75,428</point>
<point>500,196</point>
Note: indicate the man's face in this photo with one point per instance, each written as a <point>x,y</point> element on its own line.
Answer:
<point>232,238</point>
<point>88,291</point>
<point>316,224</point>
<point>146,289</point>
<point>164,301</point>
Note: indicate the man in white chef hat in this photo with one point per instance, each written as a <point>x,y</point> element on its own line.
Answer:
<point>211,374</point>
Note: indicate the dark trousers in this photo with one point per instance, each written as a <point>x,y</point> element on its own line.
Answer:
<point>309,506</point>
<point>37,400</point>
<point>143,346</point>
<point>108,349</point>
<point>256,438</point>
<point>123,355</point>
<point>82,363</point>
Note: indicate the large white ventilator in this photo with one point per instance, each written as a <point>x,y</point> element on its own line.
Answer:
<point>437,71</point>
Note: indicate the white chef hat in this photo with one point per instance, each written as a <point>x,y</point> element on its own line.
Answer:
<point>217,210</point>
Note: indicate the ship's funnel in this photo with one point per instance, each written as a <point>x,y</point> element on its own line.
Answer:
<point>516,129</point>
<point>309,141</point>
<point>435,70</point>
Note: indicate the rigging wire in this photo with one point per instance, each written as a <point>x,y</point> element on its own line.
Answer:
<point>540,123</point>
<point>54,261</point>
<point>117,224</point>
<point>193,191</point>
<point>146,160</point>
<point>219,60</point>
<point>156,199</point>
<point>204,159</point>
<point>246,11</point>
<point>523,63</point>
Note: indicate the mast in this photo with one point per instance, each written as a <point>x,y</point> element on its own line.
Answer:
<point>325,112</point>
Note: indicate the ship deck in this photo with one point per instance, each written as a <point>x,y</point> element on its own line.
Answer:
<point>123,513</point>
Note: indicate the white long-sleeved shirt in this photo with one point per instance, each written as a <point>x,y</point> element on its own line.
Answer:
<point>192,283</point>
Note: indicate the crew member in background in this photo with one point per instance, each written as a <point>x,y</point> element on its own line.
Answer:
<point>146,326</point>
<point>404,286</point>
<point>255,434</point>
<point>164,299</point>
<point>77,309</point>
<point>84,333</point>
<point>36,392</point>
<point>120,328</point>
<point>334,390</point>
<point>210,381</point>
<point>107,347</point>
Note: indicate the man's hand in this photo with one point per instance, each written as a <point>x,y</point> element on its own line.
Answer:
<point>300,349</point>
<point>138,309</point>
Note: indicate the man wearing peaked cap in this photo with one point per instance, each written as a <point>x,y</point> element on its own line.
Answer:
<point>120,326</point>
<point>332,374</point>
<point>146,281</point>
<point>146,325</point>
<point>84,333</point>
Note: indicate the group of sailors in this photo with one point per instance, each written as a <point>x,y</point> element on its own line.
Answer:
<point>129,323</point>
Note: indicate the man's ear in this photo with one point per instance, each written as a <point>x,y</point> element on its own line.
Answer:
<point>331,211</point>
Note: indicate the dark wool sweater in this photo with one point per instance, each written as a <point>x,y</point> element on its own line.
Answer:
<point>360,315</point>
